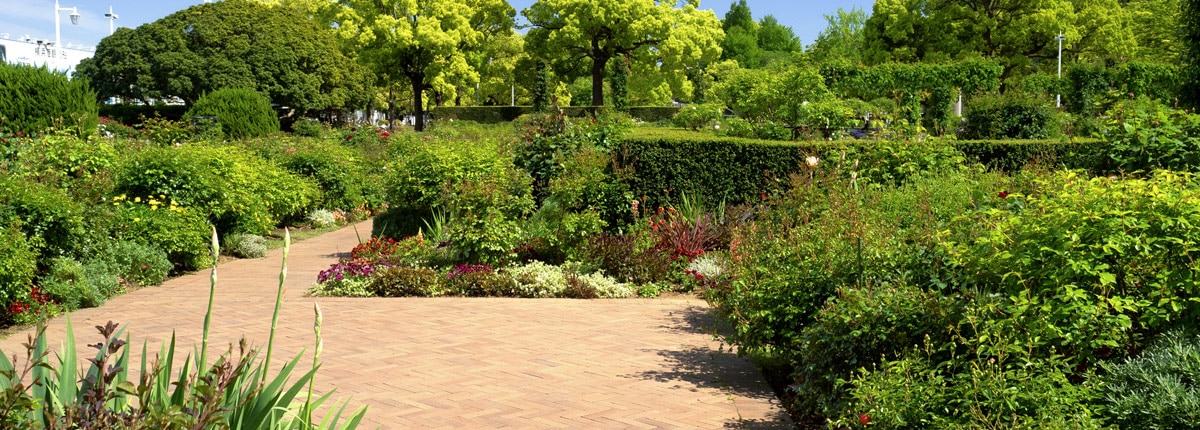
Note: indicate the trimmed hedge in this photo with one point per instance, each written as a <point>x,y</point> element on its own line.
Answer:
<point>241,112</point>
<point>498,114</point>
<point>132,114</point>
<point>667,162</point>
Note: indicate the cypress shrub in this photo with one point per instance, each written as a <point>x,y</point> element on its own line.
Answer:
<point>33,99</point>
<point>241,112</point>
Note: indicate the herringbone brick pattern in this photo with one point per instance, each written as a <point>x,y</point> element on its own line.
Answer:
<point>462,362</point>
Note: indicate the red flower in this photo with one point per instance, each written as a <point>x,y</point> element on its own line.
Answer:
<point>763,195</point>
<point>864,418</point>
<point>1002,194</point>
<point>385,134</point>
<point>348,137</point>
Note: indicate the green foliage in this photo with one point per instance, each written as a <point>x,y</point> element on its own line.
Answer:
<point>582,200</point>
<point>483,283</point>
<point>165,132</point>
<point>242,245</point>
<point>1088,266</point>
<point>308,127</point>
<point>180,232</point>
<point>1009,116</point>
<point>697,117</point>
<point>885,80</point>
<point>629,257</point>
<point>68,283</point>
<point>541,88</point>
<point>475,183</point>
<point>1088,86</point>
<point>131,115</point>
<point>79,167</point>
<point>1144,135</point>
<point>277,51</point>
<point>18,263</point>
<point>137,263</point>
<point>52,221</point>
<point>970,382</point>
<point>1190,26</point>
<point>34,99</point>
<point>238,191</point>
<point>241,112</point>
<point>406,281</point>
<point>1157,389</point>
<point>1010,155</point>
<point>859,327</point>
<point>338,171</point>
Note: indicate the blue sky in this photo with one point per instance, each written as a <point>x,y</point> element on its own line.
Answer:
<point>36,17</point>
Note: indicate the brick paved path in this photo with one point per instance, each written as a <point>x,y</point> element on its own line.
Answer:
<point>462,362</point>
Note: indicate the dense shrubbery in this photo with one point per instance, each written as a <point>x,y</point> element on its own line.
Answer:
<point>1008,116</point>
<point>241,112</point>
<point>238,191</point>
<point>33,99</point>
<point>1144,134</point>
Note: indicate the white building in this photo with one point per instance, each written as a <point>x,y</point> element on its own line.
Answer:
<point>41,52</point>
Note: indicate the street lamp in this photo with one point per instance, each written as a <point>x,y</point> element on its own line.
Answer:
<point>1060,38</point>
<point>111,17</point>
<point>58,26</point>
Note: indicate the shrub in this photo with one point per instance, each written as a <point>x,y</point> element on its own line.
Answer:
<point>321,218</point>
<point>52,221</point>
<point>165,132</point>
<point>698,117</point>
<point>481,283</point>
<point>406,281</point>
<point>348,287</point>
<point>1146,135</point>
<point>307,127</point>
<point>1088,267</point>
<point>538,279</point>
<point>241,112</point>
<point>336,169</point>
<point>183,233</point>
<point>237,191</point>
<point>596,286</point>
<point>140,264</point>
<point>33,99</point>
<point>629,257</point>
<point>856,329</point>
<point>1157,389</point>
<point>81,168</point>
<point>18,263</point>
<point>66,283</point>
<point>242,245</point>
<point>1009,116</point>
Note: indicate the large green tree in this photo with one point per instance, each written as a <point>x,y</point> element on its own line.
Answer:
<point>1018,33</point>
<point>425,41</point>
<point>673,39</point>
<point>741,36</point>
<point>842,38</point>
<point>233,43</point>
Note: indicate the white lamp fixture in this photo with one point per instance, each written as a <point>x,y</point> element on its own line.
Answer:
<point>58,25</point>
<point>1060,38</point>
<point>111,18</point>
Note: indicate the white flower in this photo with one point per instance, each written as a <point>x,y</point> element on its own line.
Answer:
<point>812,161</point>
<point>805,103</point>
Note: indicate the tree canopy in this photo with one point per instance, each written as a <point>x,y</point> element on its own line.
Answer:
<point>671,39</point>
<point>228,44</point>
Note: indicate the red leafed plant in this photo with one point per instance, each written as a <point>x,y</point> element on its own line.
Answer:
<point>374,249</point>
<point>682,237</point>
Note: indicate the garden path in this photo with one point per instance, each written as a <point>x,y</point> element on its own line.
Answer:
<point>460,362</point>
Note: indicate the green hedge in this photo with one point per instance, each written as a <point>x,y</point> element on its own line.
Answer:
<point>1012,155</point>
<point>498,114</point>
<point>667,162</point>
<point>133,114</point>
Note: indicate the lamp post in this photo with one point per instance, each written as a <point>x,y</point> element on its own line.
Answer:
<point>111,18</point>
<point>1060,38</point>
<point>58,28</point>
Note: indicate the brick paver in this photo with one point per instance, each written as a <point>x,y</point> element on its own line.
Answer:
<point>462,362</point>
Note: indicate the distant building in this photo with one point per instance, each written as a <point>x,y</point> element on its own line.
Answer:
<point>41,52</point>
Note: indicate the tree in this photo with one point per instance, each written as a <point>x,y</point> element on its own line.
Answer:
<point>1156,24</point>
<point>234,43</point>
<point>776,37</point>
<point>842,38</point>
<point>1019,33</point>
<point>425,41</point>
<point>673,39</point>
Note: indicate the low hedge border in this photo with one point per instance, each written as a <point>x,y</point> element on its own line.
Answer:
<point>499,114</point>
<point>132,114</point>
<point>667,162</point>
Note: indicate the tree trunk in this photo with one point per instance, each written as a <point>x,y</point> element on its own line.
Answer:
<point>418,83</point>
<point>598,66</point>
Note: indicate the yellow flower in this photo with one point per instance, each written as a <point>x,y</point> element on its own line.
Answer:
<point>137,220</point>
<point>137,199</point>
